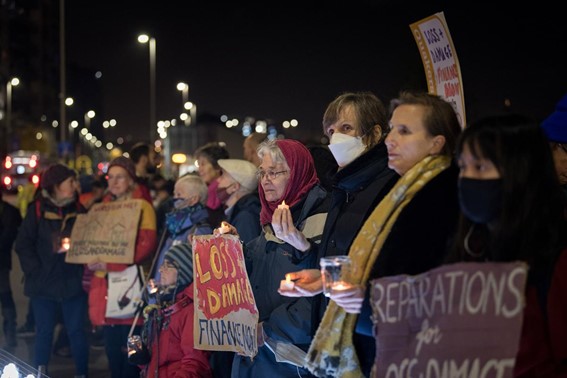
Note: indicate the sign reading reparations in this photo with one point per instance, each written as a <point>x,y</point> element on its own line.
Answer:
<point>106,233</point>
<point>459,320</point>
<point>225,310</point>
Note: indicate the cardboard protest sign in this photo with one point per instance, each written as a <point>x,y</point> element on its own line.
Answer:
<point>459,320</point>
<point>440,61</point>
<point>225,310</point>
<point>107,233</point>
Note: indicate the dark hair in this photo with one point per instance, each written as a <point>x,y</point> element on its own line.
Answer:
<point>532,225</point>
<point>369,111</point>
<point>440,117</point>
<point>138,150</point>
<point>212,151</point>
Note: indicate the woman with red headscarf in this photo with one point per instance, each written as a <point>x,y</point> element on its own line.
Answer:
<point>294,209</point>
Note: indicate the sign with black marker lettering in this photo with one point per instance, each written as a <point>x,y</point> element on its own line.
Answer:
<point>459,320</point>
<point>439,58</point>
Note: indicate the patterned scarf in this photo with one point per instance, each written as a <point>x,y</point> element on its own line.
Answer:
<point>332,353</point>
<point>179,220</point>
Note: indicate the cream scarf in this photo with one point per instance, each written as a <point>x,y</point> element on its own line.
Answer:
<point>332,352</point>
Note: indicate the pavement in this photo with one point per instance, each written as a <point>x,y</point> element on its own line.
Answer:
<point>59,367</point>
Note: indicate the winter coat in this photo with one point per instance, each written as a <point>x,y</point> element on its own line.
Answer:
<point>245,216</point>
<point>543,342</point>
<point>415,244</point>
<point>46,274</point>
<point>357,190</point>
<point>171,348</point>
<point>146,241</point>
<point>10,220</point>
<point>284,318</point>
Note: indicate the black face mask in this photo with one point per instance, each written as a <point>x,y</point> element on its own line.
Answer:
<point>480,200</point>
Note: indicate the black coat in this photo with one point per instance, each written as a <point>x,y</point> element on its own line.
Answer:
<point>46,273</point>
<point>245,216</point>
<point>357,190</point>
<point>418,242</point>
<point>10,220</point>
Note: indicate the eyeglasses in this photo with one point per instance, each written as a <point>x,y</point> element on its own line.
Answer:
<point>270,174</point>
<point>167,266</point>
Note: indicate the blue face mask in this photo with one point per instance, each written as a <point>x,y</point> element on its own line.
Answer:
<point>179,203</point>
<point>480,200</point>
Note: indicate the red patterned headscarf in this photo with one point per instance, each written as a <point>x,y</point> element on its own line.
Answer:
<point>303,178</point>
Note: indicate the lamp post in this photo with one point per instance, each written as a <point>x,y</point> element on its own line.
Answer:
<point>11,83</point>
<point>143,38</point>
<point>184,88</point>
<point>88,116</point>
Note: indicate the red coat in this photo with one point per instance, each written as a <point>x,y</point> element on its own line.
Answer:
<point>146,242</point>
<point>177,356</point>
<point>543,344</point>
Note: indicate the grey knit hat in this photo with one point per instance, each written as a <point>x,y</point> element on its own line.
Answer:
<point>181,256</point>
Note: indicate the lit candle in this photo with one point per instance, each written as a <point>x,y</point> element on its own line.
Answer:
<point>341,285</point>
<point>287,284</point>
<point>283,205</point>
<point>152,286</point>
<point>65,244</point>
<point>224,228</point>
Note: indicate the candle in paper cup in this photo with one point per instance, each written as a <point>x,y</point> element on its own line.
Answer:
<point>283,205</point>
<point>287,284</point>
<point>224,228</point>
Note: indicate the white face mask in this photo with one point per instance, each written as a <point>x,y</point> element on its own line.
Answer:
<point>346,148</point>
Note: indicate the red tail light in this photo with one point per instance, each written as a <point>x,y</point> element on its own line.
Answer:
<point>35,179</point>
<point>7,180</point>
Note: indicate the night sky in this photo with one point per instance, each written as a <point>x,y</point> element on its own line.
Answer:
<point>282,61</point>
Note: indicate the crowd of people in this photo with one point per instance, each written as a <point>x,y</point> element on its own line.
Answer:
<point>400,191</point>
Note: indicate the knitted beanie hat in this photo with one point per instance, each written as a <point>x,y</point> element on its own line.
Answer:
<point>55,174</point>
<point>181,256</point>
<point>126,163</point>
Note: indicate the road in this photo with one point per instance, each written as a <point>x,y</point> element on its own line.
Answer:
<point>59,367</point>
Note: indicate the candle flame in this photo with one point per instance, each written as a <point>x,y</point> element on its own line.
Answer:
<point>224,224</point>
<point>288,278</point>
<point>283,203</point>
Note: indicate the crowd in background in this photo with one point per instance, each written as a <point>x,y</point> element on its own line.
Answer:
<point>400,190</point>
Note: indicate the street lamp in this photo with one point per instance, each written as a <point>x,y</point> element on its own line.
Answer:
<point>88,116</point>
<point>11,83</point>
<point>143,38</point>
<point>184,88</point>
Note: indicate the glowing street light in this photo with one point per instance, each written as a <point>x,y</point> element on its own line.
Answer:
<point>88,116</point>
<point>144,38</point>
<point>184,88</point>
<point>11,83</point>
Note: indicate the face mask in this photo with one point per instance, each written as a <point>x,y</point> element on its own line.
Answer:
<point>345,148</point>
<point>222,193</point>
<point>480,200</point>
<point>179,203</point>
